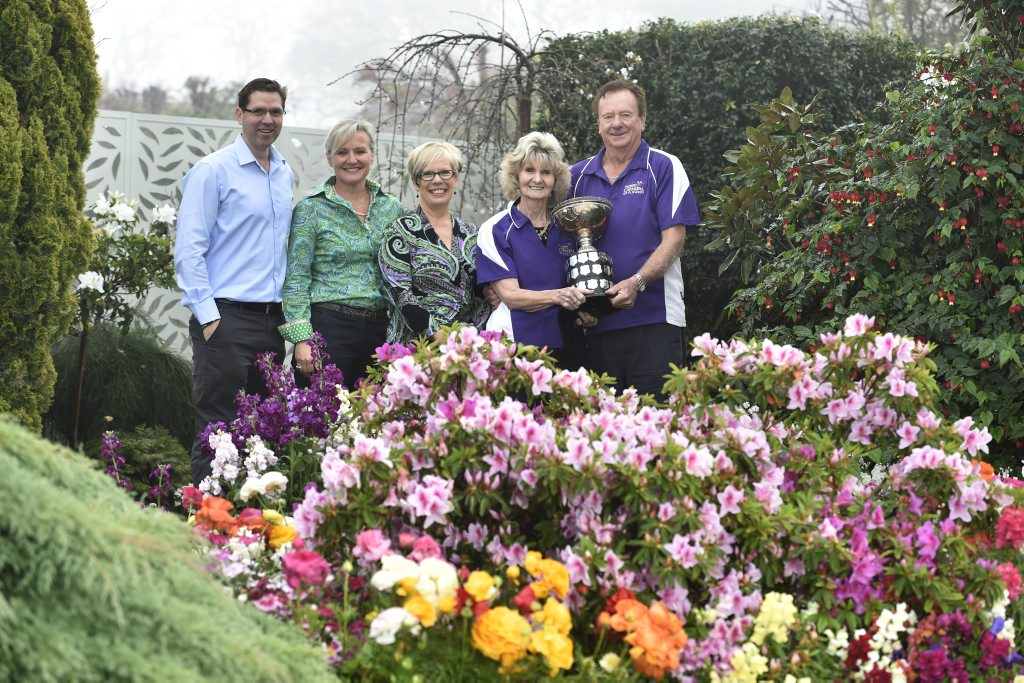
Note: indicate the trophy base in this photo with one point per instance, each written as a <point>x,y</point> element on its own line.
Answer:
<point>598,305</point>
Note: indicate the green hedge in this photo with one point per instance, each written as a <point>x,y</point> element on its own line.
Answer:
<point>48,93</point>
<point>94,588</point>
<point>699,81</point>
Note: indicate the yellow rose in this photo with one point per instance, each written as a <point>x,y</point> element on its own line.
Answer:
<point>556,648</point>
<point>554,577</point>
<point>422,609</point>
<point>407,586</point>
<point>555,616</point>
<point>480,586</point>
<point>532,558</point>
<point>503,635</point>
<point>446,604</point>
<point>273,516</point>
<point>513,574</point>
<point>279,534</point>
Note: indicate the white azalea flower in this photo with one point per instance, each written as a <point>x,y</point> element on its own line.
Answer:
<point>124,213</point>
<point>90,279</point>
<point>164,214</point>
<point>102,206</point>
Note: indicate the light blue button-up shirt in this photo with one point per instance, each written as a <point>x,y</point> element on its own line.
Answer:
<point>232,233</point>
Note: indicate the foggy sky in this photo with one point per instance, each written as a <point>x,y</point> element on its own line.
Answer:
<point>306,44</point>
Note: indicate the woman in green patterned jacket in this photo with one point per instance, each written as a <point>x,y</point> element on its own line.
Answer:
<point>333,285</point>
<point>427,258</point>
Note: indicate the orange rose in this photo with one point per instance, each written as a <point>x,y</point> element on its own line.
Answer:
<point>213,515</point>
<point>985,470</point>
<point>503,635</point>
<point>657,640</point>
<point>628,613</point>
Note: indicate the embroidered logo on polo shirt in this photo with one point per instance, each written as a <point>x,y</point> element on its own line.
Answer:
<point>634,188</point>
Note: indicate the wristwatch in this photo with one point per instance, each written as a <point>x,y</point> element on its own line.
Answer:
<point>641,284</point>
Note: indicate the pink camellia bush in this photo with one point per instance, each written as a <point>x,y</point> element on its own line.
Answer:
<point>797,515</point>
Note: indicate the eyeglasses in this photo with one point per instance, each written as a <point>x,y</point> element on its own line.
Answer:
<point>446,174</point>
<point>260,112</point>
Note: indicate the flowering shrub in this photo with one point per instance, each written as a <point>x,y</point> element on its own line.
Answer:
<point>785,514</point>
<point>917,221</point>
<point>128,260</point>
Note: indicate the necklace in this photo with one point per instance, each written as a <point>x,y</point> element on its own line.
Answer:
<point>542,232</point>
<point>362,214</point>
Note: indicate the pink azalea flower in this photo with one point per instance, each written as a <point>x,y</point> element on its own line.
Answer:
<point>730,499</point>
<point>908,434</point>
<point>858,324</point>
<point>430,499</point>
<point>685,550</point>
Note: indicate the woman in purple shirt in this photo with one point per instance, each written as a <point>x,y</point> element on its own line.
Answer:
<point>522,253</point>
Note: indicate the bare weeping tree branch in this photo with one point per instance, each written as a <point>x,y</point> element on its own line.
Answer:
<point>476,88</point>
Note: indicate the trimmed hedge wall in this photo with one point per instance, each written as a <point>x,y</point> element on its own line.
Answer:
<point>699,81</point>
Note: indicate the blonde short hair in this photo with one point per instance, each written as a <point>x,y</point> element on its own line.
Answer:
<point>345,130</point>
<point>425,154</point>
<point>538,148</point>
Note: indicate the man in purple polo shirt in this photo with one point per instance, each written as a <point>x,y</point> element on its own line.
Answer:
<point>653,206</point>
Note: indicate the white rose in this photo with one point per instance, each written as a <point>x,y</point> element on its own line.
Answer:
<point>393,569</point>
<point>272,482</point>
<point>90,279</point>
<point>164,214</point>
<point>388,623</point>
<point>437,579</point>
<point>249,489</point>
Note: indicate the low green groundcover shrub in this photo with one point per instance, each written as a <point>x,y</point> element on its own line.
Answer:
<point>130,380</point>
<point>94,588</point>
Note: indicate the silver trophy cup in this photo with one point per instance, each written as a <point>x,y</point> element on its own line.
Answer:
<point>585,218</point>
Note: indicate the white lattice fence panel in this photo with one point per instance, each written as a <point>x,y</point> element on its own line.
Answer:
<point>145,157</point>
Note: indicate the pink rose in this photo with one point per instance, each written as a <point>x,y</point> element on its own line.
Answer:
<point>425,547</point>
<point>305,567</point>
<point>371,545</point>
<point>191,498</point>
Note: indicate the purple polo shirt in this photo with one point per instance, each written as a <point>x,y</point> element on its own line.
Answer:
<point>508,246</point>
<point>652,194</point>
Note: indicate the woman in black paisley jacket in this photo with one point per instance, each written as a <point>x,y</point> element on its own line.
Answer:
<point>427,255</point>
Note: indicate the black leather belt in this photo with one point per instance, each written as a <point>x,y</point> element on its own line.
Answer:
<point>370,316</point>
<point>268,308</point>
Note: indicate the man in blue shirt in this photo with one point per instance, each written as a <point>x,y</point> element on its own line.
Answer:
<point>653,206</point>
<point>229,257</point>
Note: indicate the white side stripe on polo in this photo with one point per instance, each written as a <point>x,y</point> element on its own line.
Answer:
<point>485,241</point>
<point>680,182</point>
